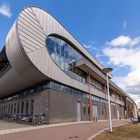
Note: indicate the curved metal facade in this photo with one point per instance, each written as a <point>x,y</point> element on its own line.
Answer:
<point>28,55</point>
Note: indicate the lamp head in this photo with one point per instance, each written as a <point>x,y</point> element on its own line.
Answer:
<point>107,70</point>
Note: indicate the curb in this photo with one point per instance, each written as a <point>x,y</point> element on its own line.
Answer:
<point>93,136</point>
<point>14,130</point>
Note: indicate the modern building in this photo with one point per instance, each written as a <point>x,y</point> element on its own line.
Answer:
<point>138,105</point>
<point>44,69</point>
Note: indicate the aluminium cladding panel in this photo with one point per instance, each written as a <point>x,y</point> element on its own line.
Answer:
<point>18,58</point>
<point>22,73</point>
<point>11,82</point>
<point>26,51</point>
<point>50,25</point>
<point>34,25</point>
<point>98,93</point>
<point>42,59</point>
<point>45,25</point>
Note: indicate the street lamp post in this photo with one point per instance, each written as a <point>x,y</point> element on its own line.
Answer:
<point>107,71</point>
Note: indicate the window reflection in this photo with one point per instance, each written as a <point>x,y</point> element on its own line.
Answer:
<point>65,57</point>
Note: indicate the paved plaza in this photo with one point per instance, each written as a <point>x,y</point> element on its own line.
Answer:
<point>69,131</point>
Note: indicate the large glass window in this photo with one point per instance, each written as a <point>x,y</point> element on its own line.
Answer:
<point>18,107</point>
<point>96,84</point>
<point>84,108</point>
<point>11,108</point>
<point>88,109</point>
<point>57,86</point>
<point>32,106</point>
<point>22,106</point>
<point>65,57</point>
<point>14,108</point>
<point>27,106</point>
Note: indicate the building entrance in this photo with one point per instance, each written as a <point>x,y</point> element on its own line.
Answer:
<point>78,107</point>
<point>95,112</point>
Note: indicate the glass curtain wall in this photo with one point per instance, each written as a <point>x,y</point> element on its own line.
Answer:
<point>65,57</point>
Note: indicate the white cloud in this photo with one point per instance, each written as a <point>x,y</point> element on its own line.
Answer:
<point>5,10</point>
<point>119,81</point>
<point>120,41</point>
<point>135,97</point>
<point>123,56</point>
<point>87,46</point>
<point>126,56</point>
<point>90,46</point>
<point>124,24</point>
<point>133,78</point>
<point>124,41</point>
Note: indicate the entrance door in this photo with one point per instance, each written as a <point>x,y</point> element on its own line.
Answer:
<point>95,112</point>
<point>118,114</point>
<point>78,111</point>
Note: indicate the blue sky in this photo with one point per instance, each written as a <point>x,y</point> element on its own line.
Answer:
<point>109,30</point>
